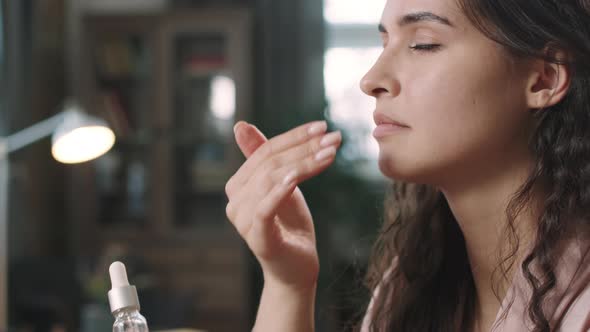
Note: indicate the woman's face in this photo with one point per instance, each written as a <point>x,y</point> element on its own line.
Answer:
<point>461,96</point>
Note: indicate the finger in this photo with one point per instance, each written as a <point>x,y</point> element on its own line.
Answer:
<point>263,185</point>
<point>300,152</point>
<point>240,210</point>
<point>262,182</point>
<point>309,166</point>
<point>289,139</point>
<point>248,138</point>
<point>262,231</point>
<point>240,206</point>
<point>286,158</point>
<point>275,145</point>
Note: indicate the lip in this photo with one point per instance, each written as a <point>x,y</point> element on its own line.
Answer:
<point>382,119</point>
<point>386,126</point>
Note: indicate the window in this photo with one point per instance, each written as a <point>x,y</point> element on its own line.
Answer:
<point>353,45</point>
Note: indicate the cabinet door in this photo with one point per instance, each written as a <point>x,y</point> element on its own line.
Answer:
<point>119,85</point>
<point>208,89</point>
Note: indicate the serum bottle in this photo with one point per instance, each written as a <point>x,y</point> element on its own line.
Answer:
<point>124,302</point>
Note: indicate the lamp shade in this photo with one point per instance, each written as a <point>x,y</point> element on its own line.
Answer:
<point>80,137</point>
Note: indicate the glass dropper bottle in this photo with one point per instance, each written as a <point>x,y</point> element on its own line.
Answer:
<point>124,302</point>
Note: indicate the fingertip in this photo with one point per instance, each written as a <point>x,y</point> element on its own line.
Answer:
<point>248,138</point>
<point>317,127</point>
<point>238,125</point>
<point>259,132</point>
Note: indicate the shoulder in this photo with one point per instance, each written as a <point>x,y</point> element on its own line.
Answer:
<point>577,317</point>
<point>566,305</point>
<point>572,310</point>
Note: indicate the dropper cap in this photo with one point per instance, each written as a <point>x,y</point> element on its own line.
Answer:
<point>122,295</point>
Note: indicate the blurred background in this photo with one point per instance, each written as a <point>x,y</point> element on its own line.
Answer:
<point>171,77</point>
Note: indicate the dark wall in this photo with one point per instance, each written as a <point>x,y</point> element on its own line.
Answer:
<point>289,44</point>
<point>34,89</point>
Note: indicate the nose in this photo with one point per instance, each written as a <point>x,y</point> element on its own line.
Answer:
<point>379,80</point>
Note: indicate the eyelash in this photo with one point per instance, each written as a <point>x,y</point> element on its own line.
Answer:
<point>425,47</point>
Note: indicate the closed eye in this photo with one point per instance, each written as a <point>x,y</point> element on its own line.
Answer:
<point>425,47</point>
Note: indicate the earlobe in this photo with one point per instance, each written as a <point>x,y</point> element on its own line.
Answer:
<point>548,84</point>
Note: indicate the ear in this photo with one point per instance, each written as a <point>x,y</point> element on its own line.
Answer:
<point>548,83</point>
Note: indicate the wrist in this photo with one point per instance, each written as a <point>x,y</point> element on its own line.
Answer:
<point>303,290</point>
<point>286,308</point>
<point>300,284</point>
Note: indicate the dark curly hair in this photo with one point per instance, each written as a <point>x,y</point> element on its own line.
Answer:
<point>432,277</point>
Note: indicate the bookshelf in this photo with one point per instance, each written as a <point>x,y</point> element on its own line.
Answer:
<point>171,85</point>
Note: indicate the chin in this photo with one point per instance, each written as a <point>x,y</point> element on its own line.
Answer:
<point>407,171</point>
<point>395,170</point>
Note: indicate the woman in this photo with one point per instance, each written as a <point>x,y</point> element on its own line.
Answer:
<point>483,121</point>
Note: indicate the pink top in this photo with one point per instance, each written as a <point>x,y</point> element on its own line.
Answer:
<point>568,304</point>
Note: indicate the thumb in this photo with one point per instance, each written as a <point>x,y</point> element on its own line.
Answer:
<point>248,137</point>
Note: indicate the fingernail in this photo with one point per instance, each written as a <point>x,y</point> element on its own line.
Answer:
<point>290,177</point>
<point>330,139</point>
<point>317,128</point>
<point>325,153</point>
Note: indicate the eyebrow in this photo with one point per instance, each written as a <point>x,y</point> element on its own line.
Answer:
<point>419,17</point>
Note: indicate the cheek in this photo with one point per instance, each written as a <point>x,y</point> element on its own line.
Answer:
<point>458,113</point>
<point>447,109</point>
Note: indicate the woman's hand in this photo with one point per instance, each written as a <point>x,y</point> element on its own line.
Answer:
<point>266,206</point>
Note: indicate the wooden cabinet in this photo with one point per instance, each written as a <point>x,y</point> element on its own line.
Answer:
<point>171,85</point>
